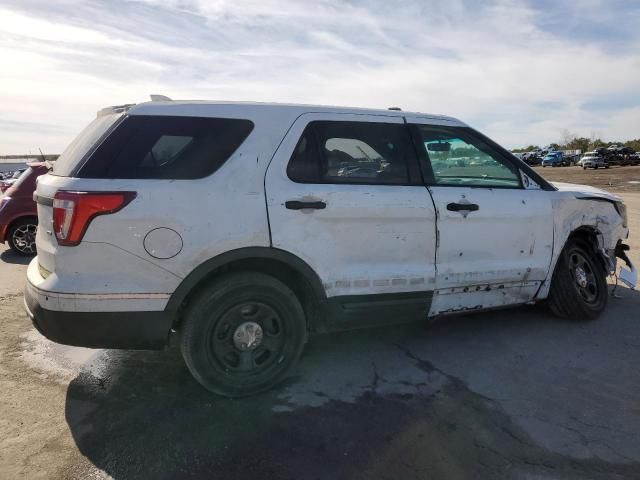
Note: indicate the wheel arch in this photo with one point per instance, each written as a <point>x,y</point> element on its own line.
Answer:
<point>286,267</point>
<point>13,221</point>
<point>592,237</point>
<point>21,217</point>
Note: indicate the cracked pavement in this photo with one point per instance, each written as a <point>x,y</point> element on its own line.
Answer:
<point>507,394</point>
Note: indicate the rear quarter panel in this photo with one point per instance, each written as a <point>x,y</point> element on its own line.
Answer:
<point>212,215</point>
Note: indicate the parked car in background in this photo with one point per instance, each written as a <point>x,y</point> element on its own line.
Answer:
<point>9,180</point>
<point>531,158</point>
<point>290,244</point>
<point>554,159</point>
<point>594,161</point>
<point>18,213</point>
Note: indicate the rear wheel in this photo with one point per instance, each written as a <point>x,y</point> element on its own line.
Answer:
<point>579,284</point>
<point>22,236</point>
<point>243,334</point>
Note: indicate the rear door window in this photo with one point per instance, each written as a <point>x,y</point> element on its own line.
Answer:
<point>353,153</point>
<point>166,147</point>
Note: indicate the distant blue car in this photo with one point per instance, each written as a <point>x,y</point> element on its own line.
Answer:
<point>554,159</point>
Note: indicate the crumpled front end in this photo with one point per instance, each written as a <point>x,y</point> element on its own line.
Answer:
<point>599,214</point>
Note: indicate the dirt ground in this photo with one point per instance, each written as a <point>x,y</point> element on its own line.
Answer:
<point>508,394</point>
<point>614,179</point>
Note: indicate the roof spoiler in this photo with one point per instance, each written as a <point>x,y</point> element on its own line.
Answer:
<point>159,98</point>
<point>123,108</point>
<point>114,109</point>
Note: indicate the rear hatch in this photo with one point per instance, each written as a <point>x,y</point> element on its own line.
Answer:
<point>60,177</point>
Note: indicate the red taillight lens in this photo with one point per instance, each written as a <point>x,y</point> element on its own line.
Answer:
<point>73,212</point>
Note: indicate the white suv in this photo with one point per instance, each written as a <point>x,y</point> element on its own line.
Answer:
<point>244,227</point>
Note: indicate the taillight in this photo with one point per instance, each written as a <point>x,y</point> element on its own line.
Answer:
<point>74,211</point>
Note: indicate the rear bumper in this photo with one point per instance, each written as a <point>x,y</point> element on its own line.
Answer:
<point>128,330</point>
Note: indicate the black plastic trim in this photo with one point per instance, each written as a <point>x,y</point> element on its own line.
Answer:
<point>129,330</point>
<point>42,200</point>
<point>347,312</point>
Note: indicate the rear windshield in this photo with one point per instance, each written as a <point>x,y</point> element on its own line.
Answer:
<point>83,144</point>
<point>166,147</point>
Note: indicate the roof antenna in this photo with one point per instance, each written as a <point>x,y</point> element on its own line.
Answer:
<point>42,155</point>
<point>159,98</point>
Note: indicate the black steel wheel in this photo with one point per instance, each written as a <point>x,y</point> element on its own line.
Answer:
<point>22,236</point>
<point>243,334</point>
<point>579,285</point>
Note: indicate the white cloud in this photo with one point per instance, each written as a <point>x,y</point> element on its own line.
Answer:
<point>493,64</point>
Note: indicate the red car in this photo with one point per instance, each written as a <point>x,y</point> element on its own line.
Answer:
<point>18,215</point>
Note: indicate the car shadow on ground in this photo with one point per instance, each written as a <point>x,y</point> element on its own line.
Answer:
<point>365,404</point>
<point>9,256</point>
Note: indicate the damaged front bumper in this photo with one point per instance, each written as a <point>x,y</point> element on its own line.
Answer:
<point>628,276</point>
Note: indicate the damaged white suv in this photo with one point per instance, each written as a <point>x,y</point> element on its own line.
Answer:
<point>244,227</point>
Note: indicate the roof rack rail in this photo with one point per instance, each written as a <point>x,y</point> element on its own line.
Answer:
<point>397,109</point>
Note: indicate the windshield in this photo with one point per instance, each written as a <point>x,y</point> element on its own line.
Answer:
<point>81,145</point>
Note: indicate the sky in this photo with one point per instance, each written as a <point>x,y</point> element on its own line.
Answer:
<point>522,72</point>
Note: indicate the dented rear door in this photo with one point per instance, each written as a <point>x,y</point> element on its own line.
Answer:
<point>340,199</point>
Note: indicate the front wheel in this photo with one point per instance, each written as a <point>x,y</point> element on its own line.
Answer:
<point>579,283</point>
<point>22,236</point>
<point>242,334</point>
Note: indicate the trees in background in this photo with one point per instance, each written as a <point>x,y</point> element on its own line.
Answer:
<point>573,142</point>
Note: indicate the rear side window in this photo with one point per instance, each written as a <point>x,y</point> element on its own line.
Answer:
<point>164,147</point>
<point>353,152</point>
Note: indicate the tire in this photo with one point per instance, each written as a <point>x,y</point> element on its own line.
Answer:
<point>584,168</point>
<point>223,348</point>
<point>578,295</point>
<point>22,236</point>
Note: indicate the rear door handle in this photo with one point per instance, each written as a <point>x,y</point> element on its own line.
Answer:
<point>298,205</point>
<point>462,207</point>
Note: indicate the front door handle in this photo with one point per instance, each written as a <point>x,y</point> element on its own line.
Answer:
<point>298,205</point>
<point>462,207</point>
